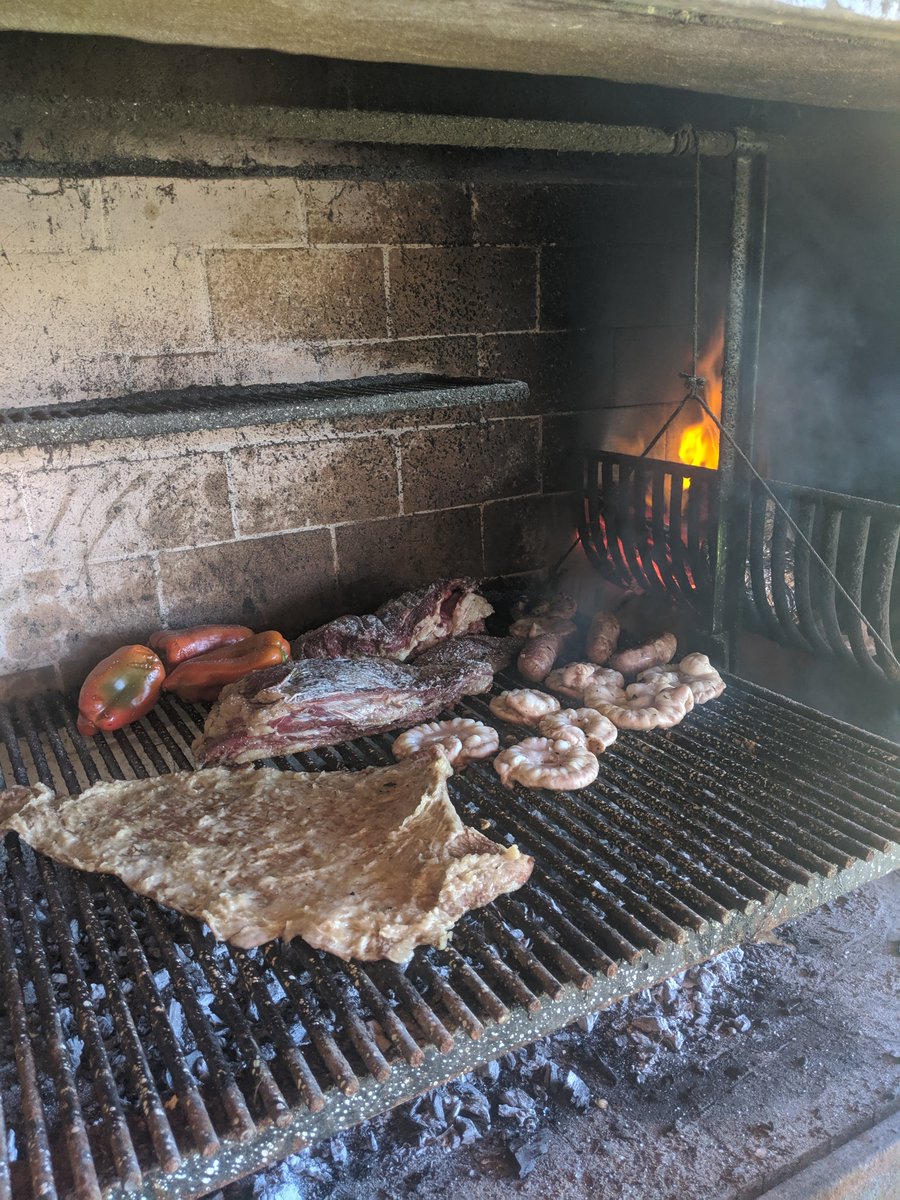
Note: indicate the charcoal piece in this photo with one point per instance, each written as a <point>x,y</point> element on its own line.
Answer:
<point>489,1071</point>
<point>576,1091</point>
<point>75,1047</point>
<point>568,1085</point>
<point>674,1040</point>
<point>670,989</point>
<point>528,1151</point>
<point>468,1131</point>
<point>516,1105</point>
<point>653,1026</point>
<point>606,1073</point>
<point>337,1148</point>
<point>474,1102</point>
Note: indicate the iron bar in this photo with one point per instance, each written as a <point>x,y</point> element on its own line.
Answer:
<point>743,311</point>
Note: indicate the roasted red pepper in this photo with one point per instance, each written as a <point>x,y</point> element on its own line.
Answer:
<point>176,645</point>
<point>119,690</point>
<point>203,677</point>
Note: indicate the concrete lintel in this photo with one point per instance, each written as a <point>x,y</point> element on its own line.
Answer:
<point>839,53</point>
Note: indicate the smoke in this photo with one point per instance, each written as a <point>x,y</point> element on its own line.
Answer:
<point>829,381</point>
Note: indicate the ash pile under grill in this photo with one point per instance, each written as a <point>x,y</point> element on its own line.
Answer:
<point>509,1106</point>
<point>719,1081</point>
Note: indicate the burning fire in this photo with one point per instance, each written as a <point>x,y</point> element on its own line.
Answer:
<point>699,445</point>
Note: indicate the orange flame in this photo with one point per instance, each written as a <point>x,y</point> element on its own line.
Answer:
<point>699,444</point>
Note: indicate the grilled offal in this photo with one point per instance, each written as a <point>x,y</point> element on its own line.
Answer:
<point>366,864</point>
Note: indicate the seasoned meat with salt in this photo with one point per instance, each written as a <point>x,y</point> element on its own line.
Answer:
<point>318,702</point>
<point>402,627</point>
<point>496,652</point>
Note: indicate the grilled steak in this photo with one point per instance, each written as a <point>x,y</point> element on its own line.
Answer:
<point>403,626</point>
<point>317,702</point>
<point>366,864</point>
<point>496,652</point>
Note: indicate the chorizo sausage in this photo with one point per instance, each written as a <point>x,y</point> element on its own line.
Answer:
<point>602,637</point>
<point>655,653</point>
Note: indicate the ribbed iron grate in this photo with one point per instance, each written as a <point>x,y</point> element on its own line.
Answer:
<point>136,1055</point>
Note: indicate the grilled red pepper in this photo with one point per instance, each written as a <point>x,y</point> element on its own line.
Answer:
<point>119,690</point>
<point>176,645</point>
<point>203,677</point>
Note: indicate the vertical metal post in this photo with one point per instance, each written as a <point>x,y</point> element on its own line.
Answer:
<point>742,322</point>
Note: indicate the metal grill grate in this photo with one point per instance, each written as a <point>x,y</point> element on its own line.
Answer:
<point>139,1056</point>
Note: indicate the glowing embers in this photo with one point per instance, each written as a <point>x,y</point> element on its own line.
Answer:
<point>645,530</point>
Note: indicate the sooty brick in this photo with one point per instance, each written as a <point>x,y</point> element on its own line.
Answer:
<point>469,463</point>
<point>378,559</point>
<point>529,533</point>
<point>314,483</point>
<point>270,295</point>
<point>285,582</point>
<point>388,212</point>
<point>461,290</point>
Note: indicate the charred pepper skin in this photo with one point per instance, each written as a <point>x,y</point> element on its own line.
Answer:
<point>175,646</point>
<point>203,677</point>
<point>119,690</point>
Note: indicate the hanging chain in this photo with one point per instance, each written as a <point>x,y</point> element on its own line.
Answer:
<point>694,382</point>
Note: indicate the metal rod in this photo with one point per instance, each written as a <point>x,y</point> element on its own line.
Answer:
<point>329,987</point>
<point>36,1140</point>
<point>220,1071</point>
<point>379,128</point>
<point>307,1008</point>
<point>183,1084</point>
<point>122,1147</point>
<point>257,992</point>
<point>743,312</point>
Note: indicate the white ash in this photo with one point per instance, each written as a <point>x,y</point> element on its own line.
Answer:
<point>510,1107</point>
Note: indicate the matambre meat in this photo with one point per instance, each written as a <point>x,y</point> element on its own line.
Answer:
<point>321,701</point>
<point>366,864</point>
<point>401,627</point>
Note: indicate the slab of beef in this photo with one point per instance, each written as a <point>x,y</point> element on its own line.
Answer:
<point>365,864</point>
<point>320,701</point>
<point>403,626</point>
<point>497,652</point>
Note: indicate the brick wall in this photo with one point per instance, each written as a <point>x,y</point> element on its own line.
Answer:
<point>115,285</point>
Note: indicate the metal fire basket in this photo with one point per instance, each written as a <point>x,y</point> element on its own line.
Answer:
<point>140,1057</point>
<point>653,526</point>
<point>650,526</point>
